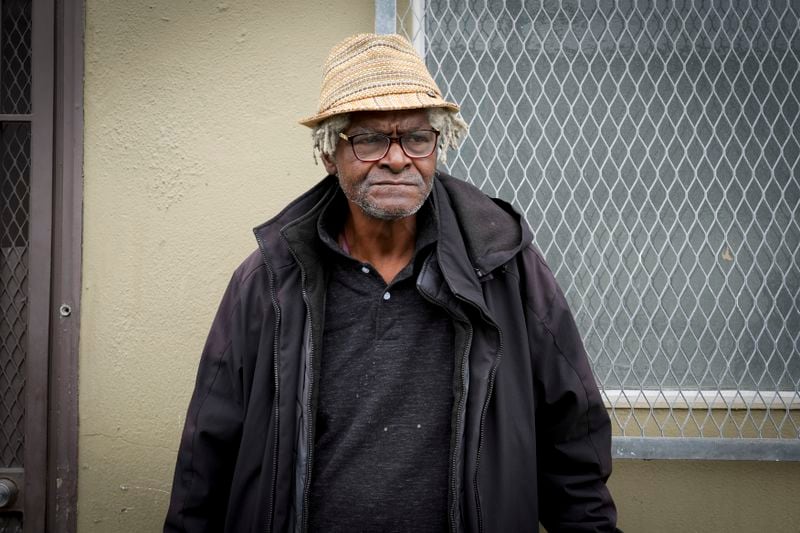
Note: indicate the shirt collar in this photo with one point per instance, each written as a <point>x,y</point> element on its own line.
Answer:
<point>331,222</point>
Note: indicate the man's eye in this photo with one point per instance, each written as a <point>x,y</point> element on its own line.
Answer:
<point>365,140</point>
<point>416,138</point>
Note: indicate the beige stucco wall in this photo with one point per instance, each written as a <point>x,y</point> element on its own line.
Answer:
<point>707,496</point>
<point>190,140</point>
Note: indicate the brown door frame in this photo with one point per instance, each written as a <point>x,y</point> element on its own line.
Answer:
<point>62,460</point>
<point>48,488</point>
<point>39,266</point>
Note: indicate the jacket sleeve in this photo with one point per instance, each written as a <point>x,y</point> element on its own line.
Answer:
<point>572,426</point>
<point>210,440</point>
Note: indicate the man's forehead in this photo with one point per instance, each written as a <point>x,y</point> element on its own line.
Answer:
<point>389,119</point>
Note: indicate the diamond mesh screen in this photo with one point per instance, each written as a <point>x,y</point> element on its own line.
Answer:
<point>15,56</point>
<point>653,147</point>
<point>14,213</point>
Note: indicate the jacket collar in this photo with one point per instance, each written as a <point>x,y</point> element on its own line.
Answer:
<point>477,234</point>
<point>305,208</point>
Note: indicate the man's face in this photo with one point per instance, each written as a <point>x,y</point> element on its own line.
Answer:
<point>396,185</point>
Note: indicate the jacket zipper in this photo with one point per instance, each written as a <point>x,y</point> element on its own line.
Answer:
<point>309,422</point>
<point>461,415</point>
<point>461,409</point>
<point>276,400</point>
<point>485,409</point>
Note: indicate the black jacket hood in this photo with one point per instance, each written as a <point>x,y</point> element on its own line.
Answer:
<point>491,231</point>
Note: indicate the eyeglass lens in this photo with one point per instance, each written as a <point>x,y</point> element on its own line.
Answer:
<point>373,146</point>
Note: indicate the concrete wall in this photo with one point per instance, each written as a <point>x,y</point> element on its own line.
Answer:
<point>191,139</point>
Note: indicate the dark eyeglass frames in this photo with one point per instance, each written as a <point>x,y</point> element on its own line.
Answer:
<point>369,147</point>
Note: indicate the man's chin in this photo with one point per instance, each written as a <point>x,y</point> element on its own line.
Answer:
<point>382,212</point>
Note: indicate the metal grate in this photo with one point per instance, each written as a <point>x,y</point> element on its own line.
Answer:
<point>14,214</point>
<point>653,146</point>
<point>15,56</point>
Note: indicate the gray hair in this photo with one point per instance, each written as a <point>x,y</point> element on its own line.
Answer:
<point>451,127</point>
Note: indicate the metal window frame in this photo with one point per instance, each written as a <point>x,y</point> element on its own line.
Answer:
<point>704,448</point>
<point>385,16</point>
<point>627,447</point>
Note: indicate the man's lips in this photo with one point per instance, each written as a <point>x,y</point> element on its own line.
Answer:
<point>395,183</point>
<point>407,182</point>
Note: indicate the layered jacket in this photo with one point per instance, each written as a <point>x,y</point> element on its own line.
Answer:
<point>530,438</point>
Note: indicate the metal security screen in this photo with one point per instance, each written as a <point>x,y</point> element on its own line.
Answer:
<point>14,214</point>
<point>15,99</point>
<point>653,147</point>
<point>26,184</point>
<point>15,48</point>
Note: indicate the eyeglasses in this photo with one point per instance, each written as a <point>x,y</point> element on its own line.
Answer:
<point>370,147</point>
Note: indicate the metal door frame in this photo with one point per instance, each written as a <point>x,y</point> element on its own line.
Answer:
<point>48,479</point>
<point>62,460</point>
<point>39,258</point>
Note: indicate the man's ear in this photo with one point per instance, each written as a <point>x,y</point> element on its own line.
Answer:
<point>330,165</point>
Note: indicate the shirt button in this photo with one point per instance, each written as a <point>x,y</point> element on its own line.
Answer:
<point>365,270</point>
<point>386,295</point>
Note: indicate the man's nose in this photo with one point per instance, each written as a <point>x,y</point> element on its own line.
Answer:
<point>395,159</point>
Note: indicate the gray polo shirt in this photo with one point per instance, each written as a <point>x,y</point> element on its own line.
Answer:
<point>382,433</point>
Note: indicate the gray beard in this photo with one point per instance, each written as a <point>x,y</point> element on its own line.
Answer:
<point>358,196</point>
<point>388,214</point>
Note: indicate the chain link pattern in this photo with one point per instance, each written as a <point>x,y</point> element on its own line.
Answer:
<point>15,57</point>
<point>15,167</point>
<point>653,146</point>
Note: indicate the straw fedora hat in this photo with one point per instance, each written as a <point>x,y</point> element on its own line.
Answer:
<point>369,72</point>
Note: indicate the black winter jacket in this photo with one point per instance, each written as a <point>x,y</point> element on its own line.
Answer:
<point>530,436</point>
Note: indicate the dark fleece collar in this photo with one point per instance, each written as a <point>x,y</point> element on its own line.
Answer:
<point>488,230</point>
<point>493,232</point>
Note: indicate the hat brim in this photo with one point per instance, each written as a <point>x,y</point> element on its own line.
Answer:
<point>392,102</point>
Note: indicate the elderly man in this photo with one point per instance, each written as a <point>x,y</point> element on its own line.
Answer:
<point>395,356</point>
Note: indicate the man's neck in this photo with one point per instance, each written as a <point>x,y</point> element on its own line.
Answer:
<point>388,245</point>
